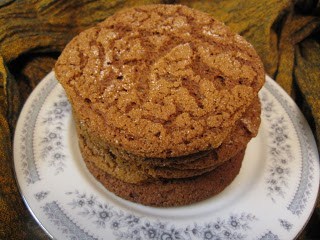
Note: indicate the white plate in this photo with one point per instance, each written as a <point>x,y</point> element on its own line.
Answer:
<point>272,197</point>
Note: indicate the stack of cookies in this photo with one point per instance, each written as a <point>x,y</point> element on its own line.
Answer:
<point>165,100</point>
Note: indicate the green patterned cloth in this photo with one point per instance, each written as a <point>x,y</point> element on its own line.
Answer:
<point>32,34</point>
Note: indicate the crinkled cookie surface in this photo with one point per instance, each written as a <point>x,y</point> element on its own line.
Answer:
<point>160,80</point>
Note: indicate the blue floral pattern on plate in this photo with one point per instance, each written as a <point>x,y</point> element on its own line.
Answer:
<point>280,152</point>
<point>52,146</point>
<point>310,159</point>
<point>128,226</point>
<point>70,205</point>
<point>269,236</point>
<point>26,134</point>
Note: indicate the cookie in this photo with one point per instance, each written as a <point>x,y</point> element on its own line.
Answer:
<point>177,192</point>
<point>160,81</point>
<point>245,128</point>
<point>133,171</point>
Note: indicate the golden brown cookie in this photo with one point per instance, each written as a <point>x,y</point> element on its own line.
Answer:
<point>245,128</point>
<point>134,171</point>
<point>159,81</point>
<point>168,193</point>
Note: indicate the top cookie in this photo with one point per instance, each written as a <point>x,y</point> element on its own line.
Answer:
<point>160,80</point>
